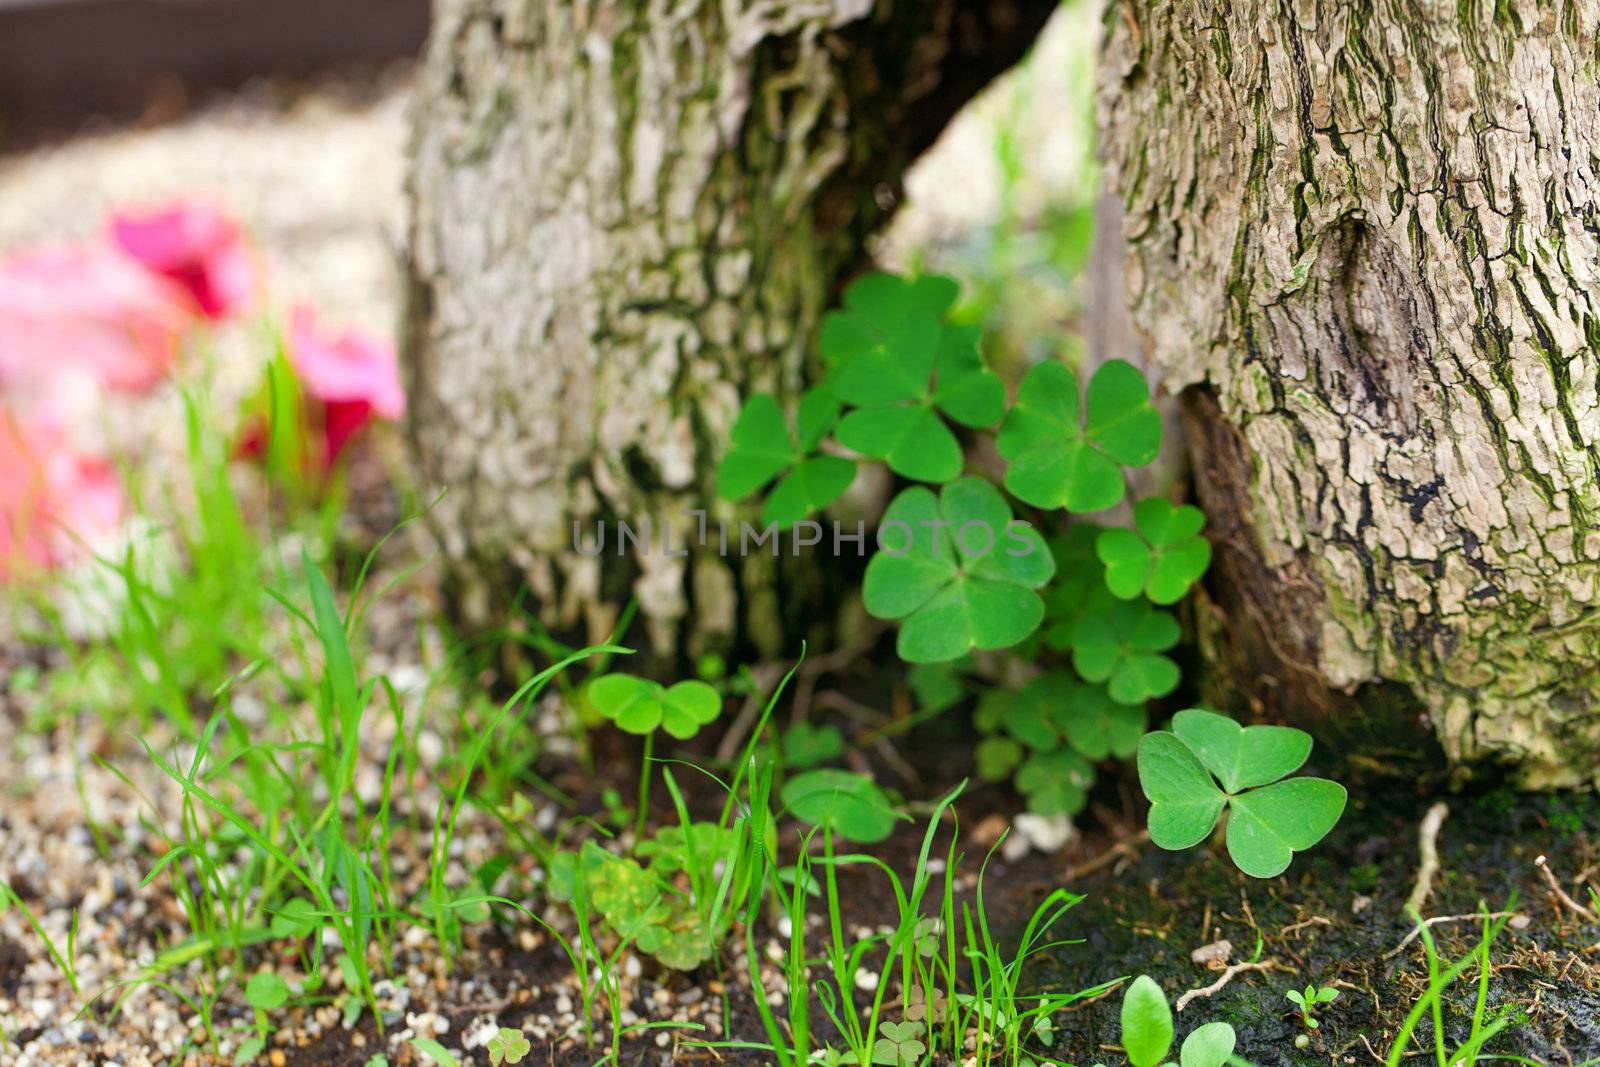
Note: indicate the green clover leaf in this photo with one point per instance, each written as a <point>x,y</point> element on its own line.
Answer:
<point>900,1045</point>
<point>640,706</point>
<point>882,312</point>
<point>1146,1023</point>
<point>1270,820</point>
<point>891,357</point>
<point>673,850</point>
<point>1162,557</point>
<point>508,1046</point>
<point>266,991</point>
<point>1242,756</point>
<point>678,939</point>
<point>1055,708</point>
<point>1059,456</point>
<point>957,570</point>
<point>627,895</point>
<point>761,447</point>
<point>1122,647</point>
<point>1055,783</point>
<point>805,745</point>
<point>850,803</point>
<point>996,758</point>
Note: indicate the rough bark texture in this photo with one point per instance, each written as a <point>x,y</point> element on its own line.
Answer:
<point>626,215</point>
<point>1366,238</point>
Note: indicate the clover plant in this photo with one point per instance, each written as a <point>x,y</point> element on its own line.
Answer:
<point>508,1046</point>
<point>850,805</point>
<point>960,565</point>
<point>763,447</point>
<point>961,576</point>
<point>1208,763</point>
<point>637,905</point>
<point>640,706</point>
<point>1060,457</point>
<point>1161,557</point>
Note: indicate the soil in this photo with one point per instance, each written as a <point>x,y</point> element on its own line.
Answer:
<point>1336,920</point>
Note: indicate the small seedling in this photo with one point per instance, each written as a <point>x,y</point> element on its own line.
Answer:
<point>957,571</point>
<point>1309,1000</point>
<point>1270,820</point>
<point>508,1046</point>
<point>900,1045</point>
<point>1147,1031</point>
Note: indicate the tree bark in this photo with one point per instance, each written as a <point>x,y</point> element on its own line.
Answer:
<point>1364,239</point>
<point>626,215</point>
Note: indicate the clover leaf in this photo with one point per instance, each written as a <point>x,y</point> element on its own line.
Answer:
<point>900,1045</point>
<point>884,312</point>
<point>899,395</point>
<point>1269,819</point>
<point>805,745</point>
<point>640,706</point>
<point>508,1046</point>
<point>761,447</point>
<point>1061,453</point>
<point>957,570</point>
<point>675,848</point>
<point>1242,756</point>
<point>1146,1023</point>
<point>996,758</point>
<point>1122,647</point>
<point>1055,782</point>
<point>1161,557</point>
<point>1055,707</point>
<point>634,902</point>
<point>892,358</point>
<point>266,991</point>
<point>851,804</point>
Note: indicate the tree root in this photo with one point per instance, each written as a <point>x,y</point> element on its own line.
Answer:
<point>1428,852</point>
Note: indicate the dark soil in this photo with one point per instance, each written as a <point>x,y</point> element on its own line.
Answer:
<point>1150,917</point>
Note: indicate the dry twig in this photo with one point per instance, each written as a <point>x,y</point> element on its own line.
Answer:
<point>1561,894</point>
<point>1227,976</point>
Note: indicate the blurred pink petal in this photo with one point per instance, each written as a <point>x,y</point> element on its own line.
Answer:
<point>55,502</point>
<point>87,308</point>
<point>196,246</point>
<point>354,375</point>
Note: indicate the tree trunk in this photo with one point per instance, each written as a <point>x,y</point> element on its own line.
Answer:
<point>1364,238</point>
<point>626,216</point>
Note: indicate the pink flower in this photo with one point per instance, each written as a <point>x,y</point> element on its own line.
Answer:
<point>54,501</point>
<point>196,246</point>
<point>352,375</point>
<point>91,309</point>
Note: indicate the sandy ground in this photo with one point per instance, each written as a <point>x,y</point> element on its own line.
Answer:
<point>318,181</point>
